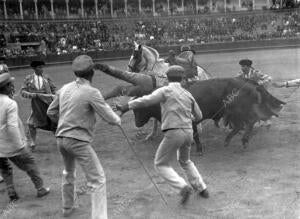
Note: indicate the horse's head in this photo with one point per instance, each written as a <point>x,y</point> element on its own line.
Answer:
<point>137,62</point>
<point>143,58</point>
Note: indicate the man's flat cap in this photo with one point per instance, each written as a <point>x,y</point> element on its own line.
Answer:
<point>5,78</point>
<point>175,71</point>
<point>82,64</point>
<point>246,62</point>
<point>37,63</point>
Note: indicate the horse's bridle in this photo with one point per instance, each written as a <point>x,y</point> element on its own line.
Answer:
<point>138,59</point>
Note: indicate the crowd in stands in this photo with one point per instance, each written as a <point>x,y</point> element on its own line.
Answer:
<point>75,36</point>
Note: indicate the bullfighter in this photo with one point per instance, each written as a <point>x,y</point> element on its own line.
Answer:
<point>248,72</point>
<point>40,89</point>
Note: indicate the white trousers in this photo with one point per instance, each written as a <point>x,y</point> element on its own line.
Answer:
<point>177,139</point>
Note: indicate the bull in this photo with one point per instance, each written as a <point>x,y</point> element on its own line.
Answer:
<point>240,102</point>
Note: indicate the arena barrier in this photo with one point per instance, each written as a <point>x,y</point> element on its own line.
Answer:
<point>52,59</point>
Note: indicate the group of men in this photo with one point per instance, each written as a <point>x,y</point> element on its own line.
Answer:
<point>72,113</point>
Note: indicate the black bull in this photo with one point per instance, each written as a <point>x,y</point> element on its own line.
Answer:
<point>241,103</point>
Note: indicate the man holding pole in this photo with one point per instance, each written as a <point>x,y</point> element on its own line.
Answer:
<point>75,107</point>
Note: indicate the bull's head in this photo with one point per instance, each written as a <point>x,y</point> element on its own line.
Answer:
<point>143,115</point>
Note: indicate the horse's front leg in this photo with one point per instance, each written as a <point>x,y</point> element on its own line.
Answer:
<point>153,132</point>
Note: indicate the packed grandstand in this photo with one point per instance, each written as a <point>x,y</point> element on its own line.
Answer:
<point>49,27</point>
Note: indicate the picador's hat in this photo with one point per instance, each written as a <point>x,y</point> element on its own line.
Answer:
<point>187,48</point>
<point>82,64</point>
<point>175,71</point>
<point>36,63</point>
<point>5,78</point>
<point>172,52</point>
<point>246,62</point>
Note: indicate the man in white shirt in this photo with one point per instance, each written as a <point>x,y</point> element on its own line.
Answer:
<point>75,107</point>
<point>178,109</point>
<point>13,142</point>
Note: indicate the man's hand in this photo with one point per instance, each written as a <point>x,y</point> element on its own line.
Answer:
<point>29,95</point>
<point>122,108</point>
<point>101,67</point>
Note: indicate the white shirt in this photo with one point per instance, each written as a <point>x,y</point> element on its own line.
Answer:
<point>12,135</point>
<point>38,81</point>
<point>76,104</point>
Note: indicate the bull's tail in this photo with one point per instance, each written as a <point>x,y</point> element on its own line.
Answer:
<point>270,105</point>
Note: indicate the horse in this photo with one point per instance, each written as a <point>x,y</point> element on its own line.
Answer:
<point>146,59</point>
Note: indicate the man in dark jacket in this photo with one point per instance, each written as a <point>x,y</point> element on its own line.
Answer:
<point>40,89</point>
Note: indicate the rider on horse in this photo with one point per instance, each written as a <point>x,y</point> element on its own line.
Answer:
<point>186,60</point>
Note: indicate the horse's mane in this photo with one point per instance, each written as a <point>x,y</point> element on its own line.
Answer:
<point>154,52</point>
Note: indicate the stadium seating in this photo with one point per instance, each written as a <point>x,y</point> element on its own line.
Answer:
<point>68,36</point>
